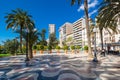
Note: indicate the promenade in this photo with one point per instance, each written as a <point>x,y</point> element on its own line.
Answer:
<point>60,67</point>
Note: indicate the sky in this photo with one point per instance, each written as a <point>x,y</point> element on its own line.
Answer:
<point>44,12</point>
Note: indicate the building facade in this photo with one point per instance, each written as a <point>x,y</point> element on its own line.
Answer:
<point>75,34</point>
<point>52,28</point>
<point>79,32</point>
<point>65,32</point>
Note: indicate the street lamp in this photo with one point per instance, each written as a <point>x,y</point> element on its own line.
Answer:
<point>95,56</point>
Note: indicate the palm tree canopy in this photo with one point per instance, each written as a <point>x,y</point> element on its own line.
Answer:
<point>18,18</point>
<point>74,1</point>
<point>109,13</point>
<point>42,34</point>
<point>33,35</point>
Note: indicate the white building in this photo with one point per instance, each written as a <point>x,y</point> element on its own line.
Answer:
<point>51,28</point>
<point>79,32</point>
<point>65,32</point>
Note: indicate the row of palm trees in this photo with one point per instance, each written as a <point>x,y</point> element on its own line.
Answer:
<point>109,13</point>
<point>21,22</point>
<point>108,16</point>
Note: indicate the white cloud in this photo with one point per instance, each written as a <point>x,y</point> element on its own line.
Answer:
<point>89,1</point>
<point>91,13</point>
<point>81,8</point>
<point>93,4</point>
<point>90,5</point>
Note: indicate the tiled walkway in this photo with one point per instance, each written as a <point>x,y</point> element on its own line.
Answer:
<point>60,67</point>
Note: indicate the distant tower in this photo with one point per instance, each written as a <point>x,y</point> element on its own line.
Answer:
<point>51,28</point>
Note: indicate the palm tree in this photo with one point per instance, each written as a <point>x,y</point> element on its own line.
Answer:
<point>18,19</point>
<point>42,35</point>
<point>30,37</point>
<point>109,13</point>
<point>33,37</point>
<point>86,20</point>
<point>53,40</point>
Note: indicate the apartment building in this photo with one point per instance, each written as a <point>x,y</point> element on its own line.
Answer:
<point>65,31</point>
<point>78,35</point>
<point>79,32</point>
<point>51,28</point>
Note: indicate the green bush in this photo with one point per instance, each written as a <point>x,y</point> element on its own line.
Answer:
<point>58,47</point>
<point>5,55</point>
<point>65,47</point>
<point>24,49</point>
<point>41,47</point>
<point>72,47</point>
<point>78,47</point>
<point>45,47</point>
<point>86,47</point>
<point>34,47</point>
<point>49,47</point>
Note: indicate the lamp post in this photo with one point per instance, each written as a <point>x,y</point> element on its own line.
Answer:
<point>95,56</point>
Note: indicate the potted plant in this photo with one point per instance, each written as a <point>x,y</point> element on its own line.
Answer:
<point>86,48</point>
<point>34,49</point>
<point>73,49</point>
<point>41,48</point>
<point>45,47</point>
<point>58,49</point>
<point>78,48</point>
<point>65,49</point>
<point>49,49</point>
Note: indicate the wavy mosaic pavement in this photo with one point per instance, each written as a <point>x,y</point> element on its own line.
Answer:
<point>58,67</point>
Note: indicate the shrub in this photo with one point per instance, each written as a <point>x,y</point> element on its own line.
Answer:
<point>78,47</point>
<point>72,47</point>
<point>86,47</point>
<point>58,47</point>
<point>41,47</point>
<point>34,47</point>
<point>65,47</point>
<point>49,47</point>
<point>45,47</point>
<point>24,49</point>
<point>5,55</point>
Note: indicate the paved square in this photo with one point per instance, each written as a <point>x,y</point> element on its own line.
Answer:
<point>60,67</point>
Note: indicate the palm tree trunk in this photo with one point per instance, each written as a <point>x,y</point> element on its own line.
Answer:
<point>21,39</point>
<point>101,36</point>
<point>30,51</point>
<point>87,27</point>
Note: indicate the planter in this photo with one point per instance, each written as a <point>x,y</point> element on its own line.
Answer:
<point>34,52</point>
<point>73,51</point>
<point>41,51</point>
<point>58,51</point>
<point>86,51</point>
<point>78,51</point>
<point>50,51</point>
<point>65,51</point>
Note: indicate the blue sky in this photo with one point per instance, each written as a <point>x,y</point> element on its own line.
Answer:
<point>44,12</point>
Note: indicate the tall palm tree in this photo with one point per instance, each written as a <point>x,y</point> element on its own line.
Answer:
<point>109,13</point>
<point>42,36</point>
<point>30,37</point>
<point>53,40</point>
<point>18,19</point>
<point>86,20</point>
